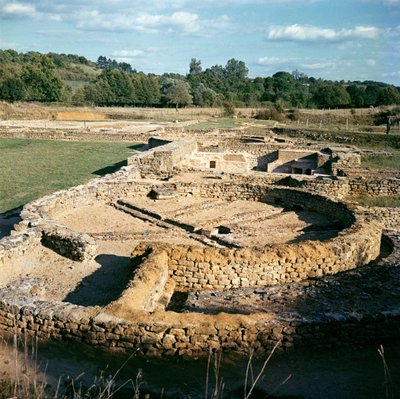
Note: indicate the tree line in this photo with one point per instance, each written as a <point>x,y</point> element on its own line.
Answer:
<point>63,78</point>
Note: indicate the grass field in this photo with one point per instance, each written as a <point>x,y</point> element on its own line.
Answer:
<point>30,169</point>
<point>386,202</point>
<point>382,162</point>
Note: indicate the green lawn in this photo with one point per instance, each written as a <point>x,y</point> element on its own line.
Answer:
<point>30,169</point>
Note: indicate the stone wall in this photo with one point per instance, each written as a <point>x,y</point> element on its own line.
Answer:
<point>388,217</point>
<point>374,187</point>
<point>220,162</point>
<point>169,333</point>
<point>258,155</point>
<point>150,287</point>
<point>68,243</point>
<point>213,268</point>
<point>75,135</point>
<point>341,137</point>
<point>145,326</point>
<point>163,159</point>
<point>15,247</point>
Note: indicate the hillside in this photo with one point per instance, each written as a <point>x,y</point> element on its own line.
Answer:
<point>73,79</point>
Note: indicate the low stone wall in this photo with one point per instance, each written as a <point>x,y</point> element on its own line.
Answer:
<point>220,162</point>
<point>148,287</point>
<point>341,137</point>
<point>220,269</point>
<point>75,135</point>
<point>374,187</point>
<point>169,333</point>
<point>388,217</point>
<point>163,159</point>
<point>15,247</point>
<point>68,243</point>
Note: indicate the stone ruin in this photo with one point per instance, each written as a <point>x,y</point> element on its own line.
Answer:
<point>196,246</point>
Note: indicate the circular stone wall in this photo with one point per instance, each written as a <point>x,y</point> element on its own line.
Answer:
<point>138,320</point>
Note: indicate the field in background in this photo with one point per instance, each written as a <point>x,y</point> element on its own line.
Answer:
<point>335,119</point>
<point>30,169</point>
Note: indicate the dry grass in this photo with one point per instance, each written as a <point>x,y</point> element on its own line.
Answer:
<point>24,380</point>
<point>382,162</point>
<point>80,116</point>
<point>343,119</point>
<point>380,202</point>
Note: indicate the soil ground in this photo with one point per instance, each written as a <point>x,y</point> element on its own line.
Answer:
<point>101,280</point>
<point>81,126</point>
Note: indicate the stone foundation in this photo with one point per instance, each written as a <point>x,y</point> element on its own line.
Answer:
<point>138,319</point>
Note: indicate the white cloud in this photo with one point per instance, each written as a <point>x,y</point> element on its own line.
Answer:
<point>117,15</point>
<point>128,53</point>
<point>394,74</point>
<point>179,22</point>
<point>151,16</point>
<point>310,33</point>
<point>141,22</point>
<point>371,62</point>
<point>307,65</point>
<point>16,9</point>
<point>273,60</point>
<point>318,66</point>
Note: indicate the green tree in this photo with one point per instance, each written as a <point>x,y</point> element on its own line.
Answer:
<point>269,92</point>
<point>12,89</point>
<point>371,93</point>
<point>99,93</point>
<point>195,67</point>
<point>214,78</point>
<point>331,96</point>
<point>255,91</point>
<point>120,85</point>
<point>357,95</point>
<point>40,81</point>
<point>204,96</point>
<point>146,88</point>
<point>176,92</point>
<point>235,69</point>
<point>388,96</point>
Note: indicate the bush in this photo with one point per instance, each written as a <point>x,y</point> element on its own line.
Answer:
<point>269,114</point>
<point>229,108</point>
<point>381,117</point>
<point>294,114</point>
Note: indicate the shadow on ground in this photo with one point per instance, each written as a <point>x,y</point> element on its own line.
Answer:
<point>330,374</point>
<point>110,168</point>
<point>320,227</point>
<point>8,220</point>
<point>105,284</point>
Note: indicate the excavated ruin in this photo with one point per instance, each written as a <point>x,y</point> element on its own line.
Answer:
<point>198,246</point>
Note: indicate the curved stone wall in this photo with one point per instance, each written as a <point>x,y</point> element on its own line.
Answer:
<point>142,321</point>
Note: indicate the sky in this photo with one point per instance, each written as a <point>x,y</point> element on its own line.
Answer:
<point>329,39</point>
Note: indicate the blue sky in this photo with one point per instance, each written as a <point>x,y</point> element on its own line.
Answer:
<point>331,39</point>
